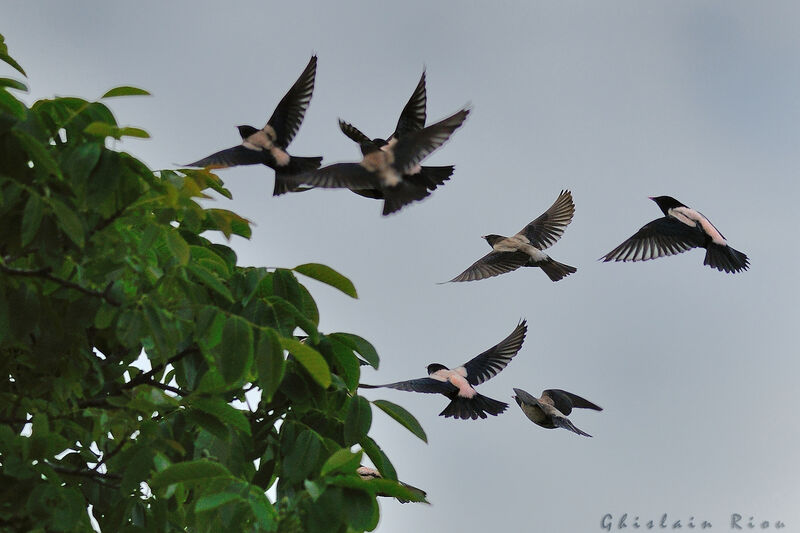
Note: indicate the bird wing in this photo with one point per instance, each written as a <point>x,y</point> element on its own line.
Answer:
<point>493,264</point>
<point>231,157</point>
<point>564,401</point>
<point>353,133</point>
<point>337,176</point>
<point>430,177</point>
<point>563,422</point>
<point>659,238</point>
<point>426,385</point>
<point>549,227</point>
<point>289,113</point>
<point>488,364</point>
<point>416,146</point>
<point>412,118</point>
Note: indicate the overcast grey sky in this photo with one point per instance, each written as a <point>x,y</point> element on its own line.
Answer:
<point>697,370</point>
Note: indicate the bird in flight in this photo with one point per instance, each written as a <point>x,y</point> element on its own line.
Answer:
<point>386,168</point>
<point>458,383</point>
<point>267,146</point>
<point>681,228</point>
<point>525,248</point>
<point>551,410</point>
<point>412,119</point>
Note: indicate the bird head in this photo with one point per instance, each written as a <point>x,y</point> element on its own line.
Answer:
<point>433,367</point>
<point>246,131</point>
<point>491,239</point>
<point>523,397</point>
<point>665,203</point>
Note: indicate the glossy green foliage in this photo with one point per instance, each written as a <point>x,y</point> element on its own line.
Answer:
<point>104,263</point>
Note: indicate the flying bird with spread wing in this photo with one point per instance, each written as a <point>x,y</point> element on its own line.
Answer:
<point>551,410</point>
<point>267,146</point>
<point>386,169</point>
<point>680,229</point>
<point>458,384</point>
<point>525,248</point>
<point>412,119</point>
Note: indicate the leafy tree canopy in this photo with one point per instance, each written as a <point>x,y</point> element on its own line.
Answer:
<point>102,260</point>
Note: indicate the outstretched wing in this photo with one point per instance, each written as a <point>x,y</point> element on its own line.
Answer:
<point>337,176</point>
<point>493,264</point>
<point>413,116</point>
<point>289,113</point>
<point>659,238</point>
<point>416,146</point>
<point>426,385</point>
<point>488,364</point>
<point>549,227</point>
<point>231,157</point>
<point>560,397</point>
<point>354,133</point>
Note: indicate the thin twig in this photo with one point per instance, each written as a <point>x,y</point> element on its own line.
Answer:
<point>146,376</point>
<point>110,454</point>
<point>45,273</point>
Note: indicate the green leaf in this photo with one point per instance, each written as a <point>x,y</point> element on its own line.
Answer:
<point>101,129</point>
<point>314,489</point>
<point>329,276</point>
<point>13,84</point>
<point>405,418</point>
<point>38,153</point>
<point>187,472</point>
<point>129,131</point>
<point>130,328</point>
<point>69,221</point>
<point>31,218</point>
<point>125,90</point>
<point>346,362</point>
<point>308,306</point>
<point>378,458</point>
<point>210,280</point>
<point>302,457</point>
<point>285,285</point>
<point>311,360</point>
<point>12,105</point>
<point>361,346</point>
<point>360,509</point>
<point>341,461</point>
<point>178,247</point>
<point>210,321</point>
<point>208,502</point>
<point>225,413</point>
<point>265,514</point>
<point>358,420</point>
<point>235,353</point>
<point>270,362</point>
<point>8,59</point>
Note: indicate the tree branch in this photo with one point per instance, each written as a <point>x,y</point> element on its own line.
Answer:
<point>145,377</point>
<point>45,274</point>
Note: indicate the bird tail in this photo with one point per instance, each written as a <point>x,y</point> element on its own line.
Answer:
<point>723,257</point>
<point>297,165</point>
<point>555,270</point>
<point>473,408</point>
<point>395,198</point>
<point>431,177</point>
